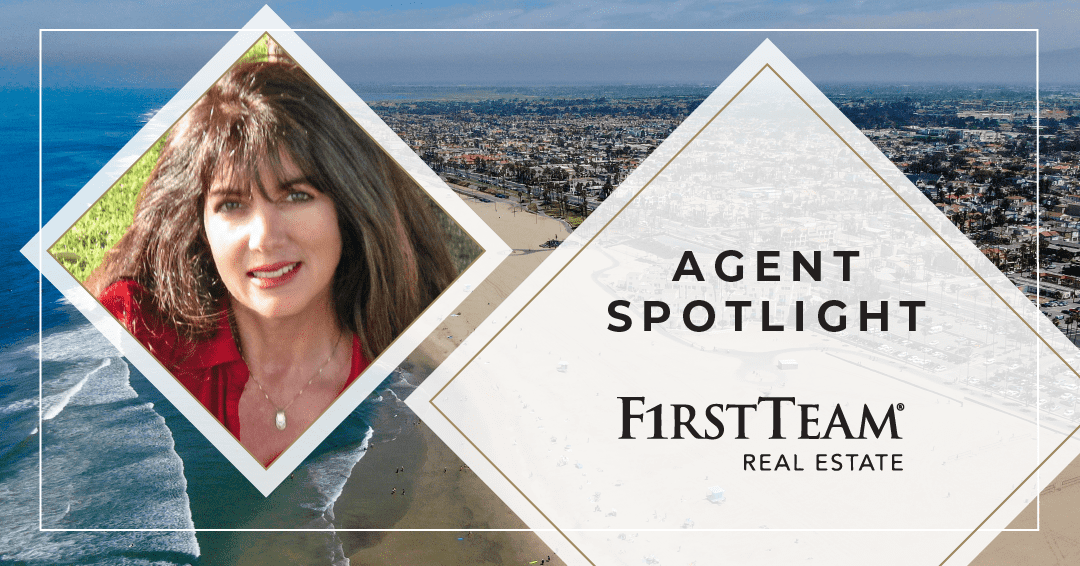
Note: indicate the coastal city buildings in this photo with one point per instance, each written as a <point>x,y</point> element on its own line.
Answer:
<point>971,151</point>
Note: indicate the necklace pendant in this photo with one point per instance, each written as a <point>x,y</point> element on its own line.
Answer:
<point>279,419</point>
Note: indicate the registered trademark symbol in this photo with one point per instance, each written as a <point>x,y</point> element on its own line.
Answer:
<point>899,406</point>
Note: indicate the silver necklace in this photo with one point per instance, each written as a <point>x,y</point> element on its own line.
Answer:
<point>279,412</point>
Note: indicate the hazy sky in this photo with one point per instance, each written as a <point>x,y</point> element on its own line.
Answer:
<point>169,59</point>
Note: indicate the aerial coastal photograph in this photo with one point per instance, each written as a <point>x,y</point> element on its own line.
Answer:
<point>532,159</point>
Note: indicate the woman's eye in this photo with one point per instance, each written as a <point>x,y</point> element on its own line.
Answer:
<point>227,206</point>
<point>298,196</point>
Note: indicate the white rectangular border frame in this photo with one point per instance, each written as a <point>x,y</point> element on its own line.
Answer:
<point>40,251</point>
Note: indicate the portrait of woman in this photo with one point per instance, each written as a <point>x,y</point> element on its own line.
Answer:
<point>276,249</point>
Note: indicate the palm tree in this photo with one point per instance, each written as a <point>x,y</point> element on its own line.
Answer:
<point>1027,255</point>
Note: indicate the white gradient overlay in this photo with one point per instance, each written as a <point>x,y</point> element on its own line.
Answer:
<point>765,163</point>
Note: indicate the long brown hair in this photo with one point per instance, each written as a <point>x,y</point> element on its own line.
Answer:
<point>394,258</point>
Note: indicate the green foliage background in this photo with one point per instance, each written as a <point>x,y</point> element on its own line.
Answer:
<point>82,248</point>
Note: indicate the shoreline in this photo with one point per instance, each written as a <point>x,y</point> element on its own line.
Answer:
<point>441,493</point>
<point>452,499</point>
<point>376,495</point>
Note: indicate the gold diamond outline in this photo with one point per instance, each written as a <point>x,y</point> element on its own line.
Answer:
<point>765,67</point>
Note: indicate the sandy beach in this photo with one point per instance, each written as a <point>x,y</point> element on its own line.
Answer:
<point>435,490</point>
<point>1057,515</point>
<point>523,232</point>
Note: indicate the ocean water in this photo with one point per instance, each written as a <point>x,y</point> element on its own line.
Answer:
<point>123,477</point>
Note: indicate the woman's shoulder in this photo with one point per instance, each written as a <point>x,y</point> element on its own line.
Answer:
<point>132,304</point>
<point>124,299</point>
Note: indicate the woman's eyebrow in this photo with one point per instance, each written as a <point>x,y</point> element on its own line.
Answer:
<point>290,183</point>
<point>227,191</point>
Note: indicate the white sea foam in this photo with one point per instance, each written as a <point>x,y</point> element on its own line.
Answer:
<point>326,478</point>
<point>330,472</point>
<point>100,470</point>
<point>110,468</point>
<point>148,115</point>
<point>403,379</point>
<point>109,385</point>
<point>56,403</point>
<point>71,345</point>
<point>17,406</point>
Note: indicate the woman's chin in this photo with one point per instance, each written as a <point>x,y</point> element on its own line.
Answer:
<point>279,313</point>
<point>273,309</point>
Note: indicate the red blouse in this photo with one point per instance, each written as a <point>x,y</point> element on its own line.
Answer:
<point>212,370</point>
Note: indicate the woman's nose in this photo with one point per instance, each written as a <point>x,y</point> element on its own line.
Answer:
<point>266,227</point>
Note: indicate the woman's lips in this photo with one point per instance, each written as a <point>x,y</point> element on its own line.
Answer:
<point>274,275</point>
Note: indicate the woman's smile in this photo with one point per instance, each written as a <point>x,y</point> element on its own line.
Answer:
<point>275,275</point>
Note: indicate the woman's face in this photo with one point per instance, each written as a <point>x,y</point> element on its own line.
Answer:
<point>277,256</point>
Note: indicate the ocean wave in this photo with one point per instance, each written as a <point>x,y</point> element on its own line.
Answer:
<point>100,470</point>
<point>18,406</point>
<point>56,403</point>
<point>108,461</point>
<point>148,115</point>
<point>403,379</point>
<point>331,472</point>
<point>108,382</point>
<point>324,480</point>
<point>80,343</point>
